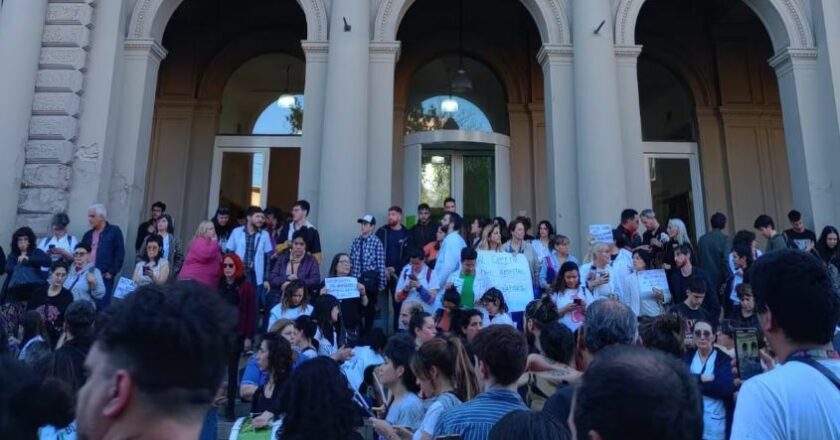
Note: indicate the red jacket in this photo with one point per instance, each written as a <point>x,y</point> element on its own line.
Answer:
<point>203,261</point>
<point>247,306</point>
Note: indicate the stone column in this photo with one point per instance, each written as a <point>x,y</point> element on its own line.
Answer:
<point>561,156</point>
<point>313,122</point>
<point>141,62</point>
<point>811,135</point>
<point>600,156</point>
<point>412,161</point>
<point>502,180</point>
<point>344,153</point>
<point>638,186</point>
<point>21,30</point>
<point>383,58</point>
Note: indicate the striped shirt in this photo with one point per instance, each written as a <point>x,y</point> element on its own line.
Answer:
<point>474,420</point>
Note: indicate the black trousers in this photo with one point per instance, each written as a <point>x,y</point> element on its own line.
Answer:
<point>233,374</point>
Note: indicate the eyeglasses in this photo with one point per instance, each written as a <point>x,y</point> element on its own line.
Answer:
<point>230,265</point>
<point>343,261</point>
<point>703,333</point>
<point>79,254</point>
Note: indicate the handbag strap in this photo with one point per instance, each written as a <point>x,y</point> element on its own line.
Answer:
<point>821,368</point>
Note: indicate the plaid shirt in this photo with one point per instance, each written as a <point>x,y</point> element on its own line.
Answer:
<point>250,249</point>
<point>374,257</point>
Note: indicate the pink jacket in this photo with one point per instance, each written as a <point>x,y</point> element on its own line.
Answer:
<point>204,260</point>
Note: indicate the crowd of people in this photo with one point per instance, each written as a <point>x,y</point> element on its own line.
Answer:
<point>740,343</point>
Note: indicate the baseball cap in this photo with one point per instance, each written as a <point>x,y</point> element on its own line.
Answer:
<point>367,218</point>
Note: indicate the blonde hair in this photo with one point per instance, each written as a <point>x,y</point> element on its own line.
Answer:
<point>594,248</point>
<point>484,243</point>
<point>203,228</point>
<point>682,231</point>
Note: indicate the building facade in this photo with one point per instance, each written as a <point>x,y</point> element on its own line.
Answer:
<point>565,110</point>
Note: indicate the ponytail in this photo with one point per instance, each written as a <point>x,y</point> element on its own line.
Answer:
<point>451,360</point>
<point>464,377</point>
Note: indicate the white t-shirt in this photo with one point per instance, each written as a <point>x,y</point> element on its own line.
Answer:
<point>793,401</point>
<point>573,319</point>
<point>423,277</point>
<point>436,406</point>
<point>67,243</point>
<point>500,319</point>
<point>277,313</point>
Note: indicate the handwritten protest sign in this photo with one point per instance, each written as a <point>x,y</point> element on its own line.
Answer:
<point>124,287</point>
<point>510,273</point>
<point>601,233</point>
<point>342,287</point>
<point>650,279</point>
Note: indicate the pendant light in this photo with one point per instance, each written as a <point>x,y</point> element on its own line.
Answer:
<point>286,100</point>
<point>461,82</point>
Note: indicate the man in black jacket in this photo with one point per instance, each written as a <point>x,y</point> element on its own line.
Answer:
<point>69,359</point>
<point>394,237</point>
<point>425,230</point>
<point>149,226</point>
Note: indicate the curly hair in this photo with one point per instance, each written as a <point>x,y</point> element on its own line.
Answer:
<point>318,403</point>
<point>22,232</point>
<point>239,267</point>
<point>280,357</point>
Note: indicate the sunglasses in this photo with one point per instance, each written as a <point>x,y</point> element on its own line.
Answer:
<point>703,333</point>
<point>229,265</point>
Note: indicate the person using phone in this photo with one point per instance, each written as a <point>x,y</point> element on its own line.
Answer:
<point>713,368</point>
<point>84,280</point>
<point>59,245</point>
<point>570,296</point>
<point>598,275</point>
<point>152,268</point>
<point>413,283</point>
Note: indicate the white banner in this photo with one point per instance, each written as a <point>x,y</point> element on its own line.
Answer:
<point>342,287</point>
<point>507,272</point>
<point>650,279</point>
<point>124,287</point>
<point>601,233</point>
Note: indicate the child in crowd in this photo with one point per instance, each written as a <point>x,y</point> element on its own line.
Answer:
<point>450,313</point>
<point>497,310</point>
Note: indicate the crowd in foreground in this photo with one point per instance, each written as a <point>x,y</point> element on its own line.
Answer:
<point>594,355</point>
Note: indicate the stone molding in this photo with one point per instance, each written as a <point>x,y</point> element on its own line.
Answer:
<point>56,109</point>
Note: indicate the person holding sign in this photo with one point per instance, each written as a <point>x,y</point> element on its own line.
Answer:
<point>351,308</point>
<point>518,245</point>
<point>639,295</point>
<point>497,310</point>
<point>601,277</point>
<point>413,282</point>
<point>570,296</point>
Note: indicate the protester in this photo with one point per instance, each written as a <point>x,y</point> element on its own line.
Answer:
<point>570,296</point>
<point>494,303</point>
<point>203,257</point>
<point>476,228</point>
<point>238,292</point>
<point>84,280</point>
<point>170,249</point>
<point>318,403</point>
<point>286,329</point>
<point>743,261</point>
<point>59,245</point>
<point>413,283</point>
<point>551,264</point>
<point>27,402</point>
<point>448,260</point>
<point>330,341</point>
<point>51,301</point>
<point>713,369</point>
<point>300,224</point>
<point>23,268</point>
<point>446,377</point>
<point>421,327</point>
<point>31,330</point>
<point>464,279</point>
<point>528,424</point>
<point>665,333</point>
<point>743,238</point>
<point>407,310</point>
<point>296,265</point>
<point>305,344</point>
<point>629,229</point>
<point>677,236</point>
<point>648,302</point>
<point>152,268</point>
<point>403,409</point>
<point>275,357</point>
<point>69,359</point>
<point>149,227</point>
<point>691,308</point>
<point>431,249</point>
<point>655,233</point>
<point>799,398</point>
<point>798,235</point>
<point>395,239</point>
<point>449,206</point>
<point>491,238</point>
<point>519,245</point>
<point>107,249</point>
<point>615,401</point>
<point>542,243</point>
<point>725,339</point>
<point>367,254</point>
<point>253,245</point>
<point>450,312</point>
<point>767,228</point>
<point>351,308</point>
<point>472,321</point>
<point>156,364</point>
<point>423,232</point>
<point>712,251</point>
<point>828,251</point>
<point>293,303</point>
<point>501,352</point>
<point>538,314</point>
<point>223,226</point>
<point>553,366</point>
<point>601,278</point>
<point>607,323</point>
<point>680,278</point>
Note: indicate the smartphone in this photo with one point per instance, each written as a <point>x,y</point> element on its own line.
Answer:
<point>52,246</point>
<point>412,277</point>
<point>746,352</point>
<point>578,301</point>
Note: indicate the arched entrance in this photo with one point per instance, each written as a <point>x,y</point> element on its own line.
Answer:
<point>787,165</point>
<point>171,153</point>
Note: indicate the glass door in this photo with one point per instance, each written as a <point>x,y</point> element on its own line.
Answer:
<point>675,189</point>
<point>243,179</point>
<point>468,177</point>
